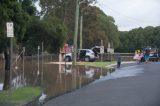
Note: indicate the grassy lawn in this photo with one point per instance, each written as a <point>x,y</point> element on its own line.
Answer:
<point>19,96</point>
<point>96,64</point>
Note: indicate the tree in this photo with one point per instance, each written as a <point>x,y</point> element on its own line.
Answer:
<point>97,27</point>
<point>11,10</point>
<point>50,31</point>
<point>139,38</point>
<point>65,11</point>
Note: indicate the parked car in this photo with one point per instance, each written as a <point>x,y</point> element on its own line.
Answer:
<point>153,57</point>
<point>82,55</point>
<point>153,54</point>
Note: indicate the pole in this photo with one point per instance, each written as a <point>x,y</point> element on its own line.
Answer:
<point>38,58</point>
<point>42,66</point>
<point>81,30</point>
<point>23,57</point>
<point>23,61</point>
<point>75,34</point>
<point>65,61</point>
<point>101,52</point>
<point>42,57</point>
<point>11,56</point>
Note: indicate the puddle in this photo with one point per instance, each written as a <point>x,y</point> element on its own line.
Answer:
<point>1,86</point>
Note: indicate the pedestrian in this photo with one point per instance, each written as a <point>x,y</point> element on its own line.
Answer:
<point>119,60</point>
<point>137,56</point>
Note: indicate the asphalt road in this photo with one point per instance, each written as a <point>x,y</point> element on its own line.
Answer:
<point>133,85</point>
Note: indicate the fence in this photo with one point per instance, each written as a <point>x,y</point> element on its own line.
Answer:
<point>112,56</point>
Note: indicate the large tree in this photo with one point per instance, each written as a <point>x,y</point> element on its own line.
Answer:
<point>64,10</point>
<point>11,10</point>
<point>50,31</point>
<point>98,26</point>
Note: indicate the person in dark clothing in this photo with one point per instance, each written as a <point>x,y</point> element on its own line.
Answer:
<point>119,60</point>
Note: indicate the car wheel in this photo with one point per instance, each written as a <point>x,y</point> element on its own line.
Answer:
<point>67,59</point>
<point>87,59</point>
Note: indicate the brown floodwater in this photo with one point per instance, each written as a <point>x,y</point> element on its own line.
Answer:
<point>54,79</point>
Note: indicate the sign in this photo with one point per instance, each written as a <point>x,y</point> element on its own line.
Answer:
<point>10,30</point>
<point>101,49</point>
<point>110,50</point>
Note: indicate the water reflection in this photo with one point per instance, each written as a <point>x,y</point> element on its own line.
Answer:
<point>1,86</point>
<point>18,81</point>
<point>55,79</point>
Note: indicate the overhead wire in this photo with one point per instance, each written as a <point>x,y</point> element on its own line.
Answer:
<point>137,21</point>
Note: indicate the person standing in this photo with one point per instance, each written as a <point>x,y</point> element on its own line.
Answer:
<point>119,60</point>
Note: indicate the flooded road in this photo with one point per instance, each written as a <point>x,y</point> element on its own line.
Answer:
<point>55,79</point>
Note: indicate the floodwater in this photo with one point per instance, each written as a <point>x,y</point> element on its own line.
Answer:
<point>54,79</point>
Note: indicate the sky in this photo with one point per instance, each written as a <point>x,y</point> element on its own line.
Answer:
<point>130,14</point>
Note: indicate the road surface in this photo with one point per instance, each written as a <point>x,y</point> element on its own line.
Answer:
<point>133,85</point>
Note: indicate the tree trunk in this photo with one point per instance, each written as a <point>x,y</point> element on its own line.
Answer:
<point>7,78</point>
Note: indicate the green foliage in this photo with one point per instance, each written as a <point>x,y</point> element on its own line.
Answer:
<point>28,7</point>
<point>12,11</point>
<point>65,10</point>
<point>139,38</point>
<point>97,27</point>
<point>50,31</point>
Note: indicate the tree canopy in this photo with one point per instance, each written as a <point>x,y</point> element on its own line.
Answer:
<point>50,31</point>
<point>96,25</point>
<point>139,38</point>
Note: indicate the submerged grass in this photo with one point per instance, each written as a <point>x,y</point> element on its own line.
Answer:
<point>96,64</point>
<point>20,95</point>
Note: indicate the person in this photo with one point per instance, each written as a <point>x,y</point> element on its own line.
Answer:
<point>119,60</point>
<point>146,55</point>
<point>137,56</point>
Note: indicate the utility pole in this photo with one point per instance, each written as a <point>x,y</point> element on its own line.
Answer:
<point>10,34</point>
<point>81,30</point>
<point>38,58</point>
<point>75,34</point>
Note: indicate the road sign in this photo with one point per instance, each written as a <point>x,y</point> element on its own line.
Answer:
<point>10,29</point>
<point>101,49</point>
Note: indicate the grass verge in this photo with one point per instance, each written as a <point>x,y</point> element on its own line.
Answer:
<point>20,95</point>
<point>96,64</point>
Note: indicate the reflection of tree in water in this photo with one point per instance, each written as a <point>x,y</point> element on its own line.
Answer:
<point>55,82</point>
<point>1,72</point>
<point>18,81</point>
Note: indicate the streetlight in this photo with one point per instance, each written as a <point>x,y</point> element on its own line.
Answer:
<point>76,32</point>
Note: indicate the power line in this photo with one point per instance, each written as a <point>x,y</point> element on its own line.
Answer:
<point>131,18</point>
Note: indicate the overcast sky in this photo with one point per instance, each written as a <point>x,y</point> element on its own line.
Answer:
<point>130,14</point>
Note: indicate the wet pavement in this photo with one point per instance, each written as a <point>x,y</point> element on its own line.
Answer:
<point>131,85</point>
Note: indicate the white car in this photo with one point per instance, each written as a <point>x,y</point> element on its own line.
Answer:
<point>82,55</point>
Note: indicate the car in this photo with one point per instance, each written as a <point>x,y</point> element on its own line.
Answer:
<point>82,55</point>
<point>153,54</point>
